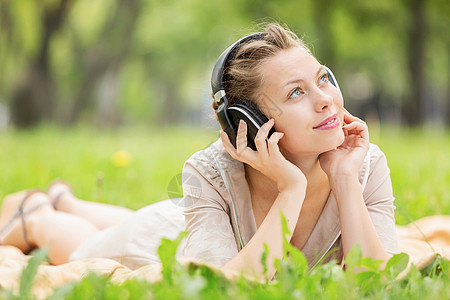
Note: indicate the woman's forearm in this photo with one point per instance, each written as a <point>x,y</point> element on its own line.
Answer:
<point>356,224</point>
<point>248,260</point>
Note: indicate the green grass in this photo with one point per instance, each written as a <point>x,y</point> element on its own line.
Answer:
<point>420,171</point>
<point>84,157</point>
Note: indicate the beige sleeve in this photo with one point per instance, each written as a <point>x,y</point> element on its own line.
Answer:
<point>379,199</point>
<point>210,234</point>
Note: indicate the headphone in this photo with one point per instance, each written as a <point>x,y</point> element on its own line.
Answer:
<point>243,109</point>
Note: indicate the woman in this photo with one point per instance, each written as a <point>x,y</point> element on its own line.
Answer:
<point>317,168</point>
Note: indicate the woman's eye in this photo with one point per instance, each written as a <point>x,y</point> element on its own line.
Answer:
<point>296,93</point>
<point>323,79</point>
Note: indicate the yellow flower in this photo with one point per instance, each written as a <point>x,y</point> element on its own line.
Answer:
<point>121,158</point>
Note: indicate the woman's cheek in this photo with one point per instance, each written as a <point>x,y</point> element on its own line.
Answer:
<point>339,101</point>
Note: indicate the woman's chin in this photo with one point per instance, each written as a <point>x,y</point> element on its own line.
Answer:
<point>337,141</point>
<point>318,146</point>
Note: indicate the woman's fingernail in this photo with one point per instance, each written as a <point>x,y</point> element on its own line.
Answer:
<point>241,123</point>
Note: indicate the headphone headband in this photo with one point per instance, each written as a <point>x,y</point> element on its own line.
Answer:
<point>217,82</point>
<point>224,59</point>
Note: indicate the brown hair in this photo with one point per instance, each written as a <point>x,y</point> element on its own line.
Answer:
<point>242,76</point>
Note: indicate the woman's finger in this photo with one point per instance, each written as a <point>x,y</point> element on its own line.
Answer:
<point>241,138</point>
<point>246,156</point>
<point>357,128</point>
<point>227,144</point>
<point>261,137</point>
<point>273,143</point>
<point>349,118</point>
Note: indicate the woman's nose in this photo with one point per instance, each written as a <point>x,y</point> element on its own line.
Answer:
<point>322,101</point>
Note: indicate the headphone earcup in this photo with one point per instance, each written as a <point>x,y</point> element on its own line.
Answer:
<point>332,78</point>
<point>250,113</point>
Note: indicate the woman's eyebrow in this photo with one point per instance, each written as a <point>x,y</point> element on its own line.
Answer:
<point>301,80</point>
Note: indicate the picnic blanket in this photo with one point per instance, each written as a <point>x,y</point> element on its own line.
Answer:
<point>422,240</point>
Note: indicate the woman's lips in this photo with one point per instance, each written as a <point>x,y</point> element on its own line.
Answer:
<point>329,123</point>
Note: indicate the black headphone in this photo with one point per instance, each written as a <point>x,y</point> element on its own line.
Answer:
<point>243,109</point>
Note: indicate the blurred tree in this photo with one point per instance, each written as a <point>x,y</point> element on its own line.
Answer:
<point>106,54</point>
<point>369,40</point>
<point>392,42</point>
<point>413,110</point>
<point>437,68</point>
<point>33,99</point>
<point>105,60</point>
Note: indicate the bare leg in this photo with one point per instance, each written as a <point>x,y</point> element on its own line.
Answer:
<point>99,214</point>
<point>45,227</point>
<point>61,232</point>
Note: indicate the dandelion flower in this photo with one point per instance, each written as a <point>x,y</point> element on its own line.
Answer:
<point>121,158</point>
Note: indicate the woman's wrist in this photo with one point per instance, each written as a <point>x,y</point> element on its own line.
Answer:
<point>293,185</point>
<point>341,184</point>
<point>290,199</point>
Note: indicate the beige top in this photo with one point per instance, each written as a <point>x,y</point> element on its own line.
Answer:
<point>218,215</point>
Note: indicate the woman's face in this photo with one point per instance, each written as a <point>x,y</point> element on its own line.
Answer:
<point>306,107</point>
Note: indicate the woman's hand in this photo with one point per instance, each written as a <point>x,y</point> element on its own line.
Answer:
<point>267,159</point>
<point>346,160</point>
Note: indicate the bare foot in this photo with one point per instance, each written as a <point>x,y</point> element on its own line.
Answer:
<point>58,191</point>
<point>16,210</point>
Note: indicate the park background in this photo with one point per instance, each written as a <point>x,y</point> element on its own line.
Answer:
<point>113,96</point>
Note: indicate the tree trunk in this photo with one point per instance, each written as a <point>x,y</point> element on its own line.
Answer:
<point>413,107</point>
<point>33,100</point>
<point>448,112</point>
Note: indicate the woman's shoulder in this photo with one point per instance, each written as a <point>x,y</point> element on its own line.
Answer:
<point>375,152</point>
<point>376,181</point>
<point>212,163</point>
<point>375,158</point>
<point>213,157</point>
